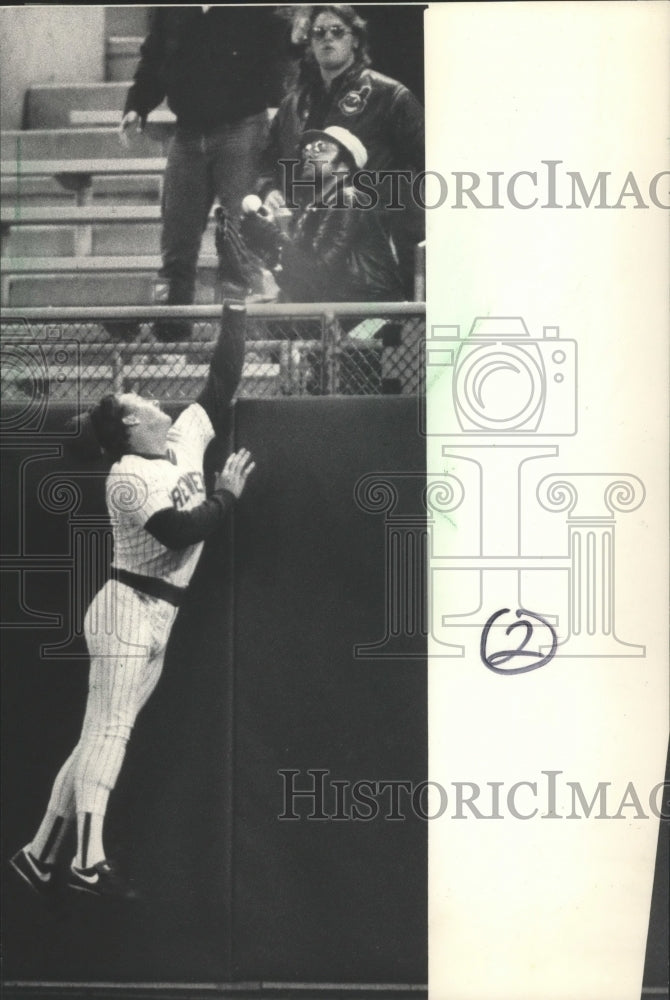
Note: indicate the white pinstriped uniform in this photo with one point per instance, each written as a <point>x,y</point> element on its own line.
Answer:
<point>138,487</point>
<point>127,631</point>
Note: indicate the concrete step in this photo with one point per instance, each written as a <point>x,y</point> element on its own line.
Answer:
<point>140,239</point>
<point>76,175</point>
<point>49,105</point>
<point>91,265</point>
<point>92,290</point>
<point>52,241</point>
<point>122,57</point>
<point>36,192</point>
<point>90,215</point>
<point>128,20</point>
<point>123,239</point>
<point>160,117</point>
<point>80,144</point>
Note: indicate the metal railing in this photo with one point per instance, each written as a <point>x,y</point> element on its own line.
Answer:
<point>78,354</point>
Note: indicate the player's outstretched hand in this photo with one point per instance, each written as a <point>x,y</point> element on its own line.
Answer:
<point>130,123</point>
<point>235,472</point>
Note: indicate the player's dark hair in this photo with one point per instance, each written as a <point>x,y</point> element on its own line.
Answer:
<point>107,421</point>
<point>309,69</point>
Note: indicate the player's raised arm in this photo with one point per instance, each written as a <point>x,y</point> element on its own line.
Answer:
<point>225,370</point>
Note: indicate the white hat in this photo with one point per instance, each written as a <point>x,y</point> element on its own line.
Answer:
<point>344,138</point>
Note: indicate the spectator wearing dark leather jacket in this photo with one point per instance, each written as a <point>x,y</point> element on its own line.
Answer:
<point>336,86</point>
<point>335,250</point>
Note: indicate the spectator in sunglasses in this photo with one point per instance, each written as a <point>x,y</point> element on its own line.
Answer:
<point>336,86</point>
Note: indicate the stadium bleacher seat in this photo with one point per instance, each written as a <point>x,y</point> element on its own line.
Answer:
<point>122,54</point>
<point>117,189</point>
<point>50,105</point>
<point>113,229</point>
<point>75,144</point>
<point>80,223</point>
<point>80,215</point>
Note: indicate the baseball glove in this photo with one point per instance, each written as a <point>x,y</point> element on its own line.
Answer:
<point>237,264</point>
<point>263,236</point>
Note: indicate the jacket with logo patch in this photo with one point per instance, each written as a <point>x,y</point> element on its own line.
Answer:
<point>381,112</point>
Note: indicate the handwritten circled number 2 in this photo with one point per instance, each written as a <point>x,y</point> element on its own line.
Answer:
<point>493,660</point>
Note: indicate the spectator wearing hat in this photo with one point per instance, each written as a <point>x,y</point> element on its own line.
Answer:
<point>336,249</point>
<point>337,87</point>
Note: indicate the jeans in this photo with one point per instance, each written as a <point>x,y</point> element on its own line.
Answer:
<point>223,163</point>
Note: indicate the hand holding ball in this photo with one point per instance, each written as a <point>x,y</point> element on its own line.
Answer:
<point>251,204</point>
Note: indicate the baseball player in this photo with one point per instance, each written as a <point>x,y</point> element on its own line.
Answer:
<point>161,515</point>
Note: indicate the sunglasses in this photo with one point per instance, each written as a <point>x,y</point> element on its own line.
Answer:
<point>334,30</point>
<point>316,147</point>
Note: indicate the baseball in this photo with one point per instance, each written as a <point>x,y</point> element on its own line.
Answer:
<point>251,203</point>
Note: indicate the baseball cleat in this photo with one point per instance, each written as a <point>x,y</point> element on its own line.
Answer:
<point>101,880</point>
<point>38,875</point>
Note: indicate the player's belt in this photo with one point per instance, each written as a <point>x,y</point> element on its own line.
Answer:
<point>151,585</point>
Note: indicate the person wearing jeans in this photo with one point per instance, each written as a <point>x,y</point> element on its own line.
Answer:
<point>220,70</point>
<point>200,168</point>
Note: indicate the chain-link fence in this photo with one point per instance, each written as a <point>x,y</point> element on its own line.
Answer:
<point>79,355</point>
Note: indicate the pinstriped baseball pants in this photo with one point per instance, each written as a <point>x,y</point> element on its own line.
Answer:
<point>126,633</point>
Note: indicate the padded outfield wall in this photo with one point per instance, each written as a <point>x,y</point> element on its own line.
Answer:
<point>260,678</point>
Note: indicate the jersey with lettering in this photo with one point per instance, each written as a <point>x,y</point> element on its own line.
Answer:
<point>138,487</point>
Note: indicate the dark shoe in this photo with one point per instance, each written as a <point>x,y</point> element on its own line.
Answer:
<point>166,330</point>
<point>101,879</point>
<point>38,875</point>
